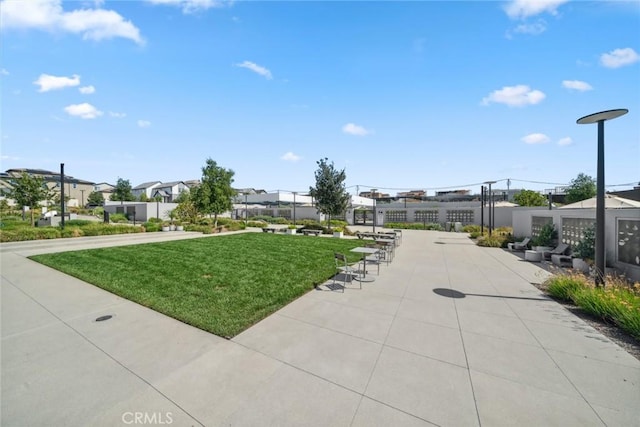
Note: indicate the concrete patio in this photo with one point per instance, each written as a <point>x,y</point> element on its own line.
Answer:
<point>395,353</point>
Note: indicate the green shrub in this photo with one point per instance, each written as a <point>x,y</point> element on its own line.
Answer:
<point>155,220</point>
<point>257,224</point>
<point>471,228</point>
<point>77,222</point>
<point>564,286</point>
<point>71,232</point>
<point>14,223</point>
<point>99,229</point>
<point>152,226</point>
<point>31,233</point>
<point>235,226</point>
<point>414,226</point>
<point>618,302</point>
<point>99,212</point>
<point>493,241</point>
<point>547,236</point>
<point>118,218</point>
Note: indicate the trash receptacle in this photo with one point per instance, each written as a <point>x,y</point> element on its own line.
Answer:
<point>106,217</point>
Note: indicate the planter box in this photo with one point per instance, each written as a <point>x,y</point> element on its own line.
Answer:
<point>291,231</point>
<point>580,265</point>
<point>542,249</point>
<point>167,228</point>
<point>179,227</point>
<point>337,234</point>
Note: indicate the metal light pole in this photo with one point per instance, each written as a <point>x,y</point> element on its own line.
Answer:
<point>373,196</point>
<point>62,194</point>
<point>246,210</point>
<point>294,207</point>
<point>600,118</point>
<point>490,199</point>
<point>482,210</point>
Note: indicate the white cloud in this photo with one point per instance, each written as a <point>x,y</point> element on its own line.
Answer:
<point>565,141</point>
<point>576,85</point>
<point>144,123</point>
<point>87,90</point>
<point>48,15</point>
<point>290,157</point>
<point>48,82</point>
<point>191,6</point>
<point>520,9</point>
<point>514,96</point>
<point>4,72</point>
<point>535,138</point>
<point>353,129</point>
<point>256,69</point>
<point>619,58</point>
<point>533,29</point>
<point>117,115</point>
<point>84,111</point>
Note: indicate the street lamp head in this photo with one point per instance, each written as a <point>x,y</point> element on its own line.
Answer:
<point>602,116</point>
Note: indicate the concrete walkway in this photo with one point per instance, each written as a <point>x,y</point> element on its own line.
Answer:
<point>395,353</point>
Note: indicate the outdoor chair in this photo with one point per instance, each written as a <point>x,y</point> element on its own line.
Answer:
<point>521,246</point>
<point>345,269</point>
<point>561,249</point>
<point>376,258</point>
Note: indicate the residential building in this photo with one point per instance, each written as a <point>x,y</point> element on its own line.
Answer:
<point>75,190</point>
<point>169,191</point>
<point>146,188</point>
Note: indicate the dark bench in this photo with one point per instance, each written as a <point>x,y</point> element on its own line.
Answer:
<point>269,230</point>
<point>306,232</point>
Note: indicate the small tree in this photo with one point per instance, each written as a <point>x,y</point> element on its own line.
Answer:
<point>29,191</point>
<point>581,188</point>
<point>143,197</point>
<point>530,198</point>
<point>215,194</point>
<point>95,198</point>
<point>182,197</point>
<point>330,193</point>
<point>122,191</point>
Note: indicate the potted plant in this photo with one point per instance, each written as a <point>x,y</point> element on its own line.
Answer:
<point>179,226</point>
<point>166,226</point>
<point>291,229</point>
<point>546,238</point>
<point>338,232</point>
<point>585,251</point>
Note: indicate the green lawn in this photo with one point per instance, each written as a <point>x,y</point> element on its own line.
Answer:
<point>222,284</point>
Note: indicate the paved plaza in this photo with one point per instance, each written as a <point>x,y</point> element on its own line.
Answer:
<point>448,334</point>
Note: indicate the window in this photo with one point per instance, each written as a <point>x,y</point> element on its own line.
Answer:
<point>75,185</point>
<point>462,216</point>
<point>426,216</point>
<point>573,229</point>
<point>396,216</point>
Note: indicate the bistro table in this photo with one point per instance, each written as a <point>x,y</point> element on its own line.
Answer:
<point>366,251</point>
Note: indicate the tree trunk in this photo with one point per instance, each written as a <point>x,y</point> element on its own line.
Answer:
<point>32,219</point>
<point>215,220</point>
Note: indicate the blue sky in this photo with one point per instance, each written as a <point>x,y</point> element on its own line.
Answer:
<point>404,95</point>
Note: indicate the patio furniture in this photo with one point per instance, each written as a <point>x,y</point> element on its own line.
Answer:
<point>347,270</point>
<point>366,251</point>
<point>521,246</point>
<point>561,249</point>
<point>269,230</point>
<point>307,232</point>
<point>532,256</point>
<point>562,260</point>
<point>376,258</point>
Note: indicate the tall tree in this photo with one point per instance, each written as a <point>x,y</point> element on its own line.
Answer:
<point>530,198</point>
<point>330,193</point>
<point>214,195</point>
<point>122,192</point>
<point>581,188</point>
<point>28,190</point>
<point>95,198</point>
